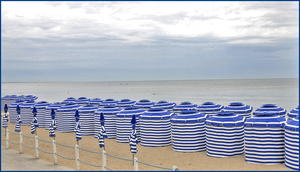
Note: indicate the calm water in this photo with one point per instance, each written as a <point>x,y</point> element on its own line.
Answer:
<point>254,92</point>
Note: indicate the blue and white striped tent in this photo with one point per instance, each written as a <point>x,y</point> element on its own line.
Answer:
<point>87,113</point>
<point>109,102</point>
<point>164,105</point>
<point>264,138</point>
<point>270,108</point>
<point>26,112</point>
<point>210,108</point>
<point>155,127</point>
<point>123,123</point>
<point>293,113</point>
<point>82,101</point>
<point>240,109</point>
<point>8,99</point>
<point>65,117</point>
<point>184,106</point>
<point>291,139</point>
<point>96,101</point>
<point>124,103</point>
<point>109,113</point>
<point>188,131</point>
<point>12,111</point>
<point>225,135</point>
<point>41,112</point>
<point>48,117</point>
<point>144,104</point>
<point>69,100</point>
<point>29,98</point>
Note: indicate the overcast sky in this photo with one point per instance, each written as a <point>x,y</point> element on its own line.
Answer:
<point>130,41</point>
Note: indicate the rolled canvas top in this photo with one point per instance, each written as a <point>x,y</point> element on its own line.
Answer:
<point>292,124</point>
<point>238,107</point>
<point>209,107</point>
<point>125,103</point>
<point>88,108</point>
<point>68,107</point>
<point>185,106</point>
<point>108,110</point>
<point>164,104</point>
<point>189,116</point>
<point>265,119</point>
<point>294,112</point>
<point>271,108</point>
<point>156,114</point>
<point>128,112</point>
<point>226,119</point>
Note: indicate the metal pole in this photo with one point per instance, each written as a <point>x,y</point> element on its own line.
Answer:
<point>136,165</point>
<point>103,160</point>
<point>77,157</point>
<point>54,152</point>
<point>175,168</point>
<point>21,142</point>
<point>36,147</point>
<point>133,159</point>
<point>7,138</point>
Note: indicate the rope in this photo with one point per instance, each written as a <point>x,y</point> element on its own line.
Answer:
<point>155,166</point>
<point>3,140</point>
<point>89,151</point>
<point>44,140</point>
<point>64,157</point>
<point>65,145</point>
<point>3,130</point>
<point>13,133</point>
<point>28,146</point>
<point>28,136</point>
<point>109,169</point>
<point>89,164</point>
<point>119,158</point>
<point>13,142</point>
<point>45,151</point>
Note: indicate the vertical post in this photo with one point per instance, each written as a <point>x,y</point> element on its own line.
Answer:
<point>21,142</point>
<point>54,152</point>
<point>175,168</point>
<point>36,147</point>
<point>7,138</point>
<point>77,157</point>
<point>136,165</point>
<point>103,160</point>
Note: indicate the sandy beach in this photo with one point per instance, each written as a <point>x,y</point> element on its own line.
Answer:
<point>159,156</point>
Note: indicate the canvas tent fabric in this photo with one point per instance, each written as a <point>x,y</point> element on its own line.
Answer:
<point>124,103</point>
<point>48,109</point>
<point>26,112</point>
<point>155,127</point>
<point>109,113</point>
<point>164,105</point>
<point>188,131</point>
<point>29,98</point>
<point>82,101</point>
<point>124,127</point>
<point>96,101</point>
<point>12,111</point>
<point>264,138</point>
<point>210,108</point>
<point>41,112</point>
<point>225,135</point>
<point>272,108</point>
<point>69,100</point>
<point>291,141</point>
<point>293,113</point>
<point>8,99</point>
<point>87,113</point>
<point>109,102</point>
<point>144,104</point>
<point>65,117</point>
<point>184,106</point>
<point>240,109</point>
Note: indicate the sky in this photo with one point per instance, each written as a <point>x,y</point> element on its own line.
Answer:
<point>137,41</point>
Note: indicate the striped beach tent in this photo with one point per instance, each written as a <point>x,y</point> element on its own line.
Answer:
<point>293,113</point>
<point>210,108</point>
<point>188,131</point>
<point>123,123</point>
<point>96,101</point>
<point>155,127</point>
<point>264,138</point>
<point>26,112</point>
<point>124,103</point>
<point>164,105</point>
<point>184,106</point>
<point>82,101</point>
<point>8,99</point>
<point>87,113</point>
<point>41,112</point>
<point>5,117</point>
<point>109,113</point>
<point>270,108</point>
<point>29,98</point>
<point>144,104</point>
<point>225,135</point>
<point>12,110</point>
<point>65,117</point>
<point>291,141</point>
<point>240,109</point>
<point>109,102</point>
<point>48,117</point>
<point>69,100</point>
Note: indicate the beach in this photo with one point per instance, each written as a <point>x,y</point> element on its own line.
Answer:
<point>159,156</point>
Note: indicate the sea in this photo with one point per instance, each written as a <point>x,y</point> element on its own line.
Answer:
<point>283,92</point>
